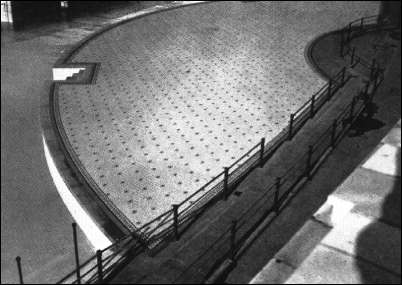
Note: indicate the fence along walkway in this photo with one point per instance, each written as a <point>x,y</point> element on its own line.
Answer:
<point>275,196</point>
<point>168,225</point>
<point>233,240</point>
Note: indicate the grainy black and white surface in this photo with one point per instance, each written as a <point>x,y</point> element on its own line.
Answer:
<point>238,67</point>
<point>183,93</point>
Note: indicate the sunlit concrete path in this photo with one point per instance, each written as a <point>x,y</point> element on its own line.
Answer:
<point>183,93</point>
<point>337,245</point>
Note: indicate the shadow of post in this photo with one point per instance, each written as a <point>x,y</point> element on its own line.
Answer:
<point>372,238</point>
<point>365,122</point>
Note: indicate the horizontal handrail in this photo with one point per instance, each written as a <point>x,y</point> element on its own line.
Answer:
<point>186,213</point>
<point>166,220</point>
<point>245,155</point>
<point>202,188</point>
<point>257,208</point>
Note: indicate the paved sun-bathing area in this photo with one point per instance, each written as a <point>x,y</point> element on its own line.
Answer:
<point>183,93</point>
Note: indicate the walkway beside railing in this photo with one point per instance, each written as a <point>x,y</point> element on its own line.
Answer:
<point>172,223</point>
<point>234,238</point>
<point>169,224</point>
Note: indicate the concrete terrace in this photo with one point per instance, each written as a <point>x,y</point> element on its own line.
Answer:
<point>182,93</point>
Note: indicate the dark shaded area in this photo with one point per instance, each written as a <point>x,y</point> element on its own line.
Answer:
<point>81,8</point>
<point>372,236</point>
<point>33,12</point>
<point>391,10</point>
<point>365,122</point>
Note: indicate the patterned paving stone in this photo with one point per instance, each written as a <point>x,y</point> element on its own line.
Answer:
<point>183,93</point>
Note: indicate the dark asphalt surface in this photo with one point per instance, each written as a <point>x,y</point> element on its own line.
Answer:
<point>35,224</point>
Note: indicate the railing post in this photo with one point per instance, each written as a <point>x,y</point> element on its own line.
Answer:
<point>377,76</point>
<point>233,240</point>
<point>349,31</point>
<point>77,260</point>
<point>292,117</point>
<point>361,24</point>
<point>369,97</point>
<point>276,197</point>
<point>372,68</point>
<point>329,89</point>
<point>226,183</point>
<point>312,106</point>
<point>18,259</point>
<point>308,166</point>
<point>352,57</point>
<point>352,109</point>
<point>262,146</point>
<point>176,221</point>
<point>374,76</point>
<point>365,92</point>
<point>342,41</point>
<point>343,75</point>
<point>333,133</point>
<point>100,267</point>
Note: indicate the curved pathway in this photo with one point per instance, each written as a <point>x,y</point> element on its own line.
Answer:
<point>182,93</point>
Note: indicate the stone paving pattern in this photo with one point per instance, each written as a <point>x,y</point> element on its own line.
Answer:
<point>183,93</point>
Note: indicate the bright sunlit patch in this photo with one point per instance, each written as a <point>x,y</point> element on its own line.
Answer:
<point>385,160</point>
<point>92,232</point>
<point>333,211</point>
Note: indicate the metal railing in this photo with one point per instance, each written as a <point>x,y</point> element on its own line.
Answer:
<point>362,26</point>
<point>230,244</point>
<point>169,224</point>
<point>357,28</point>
